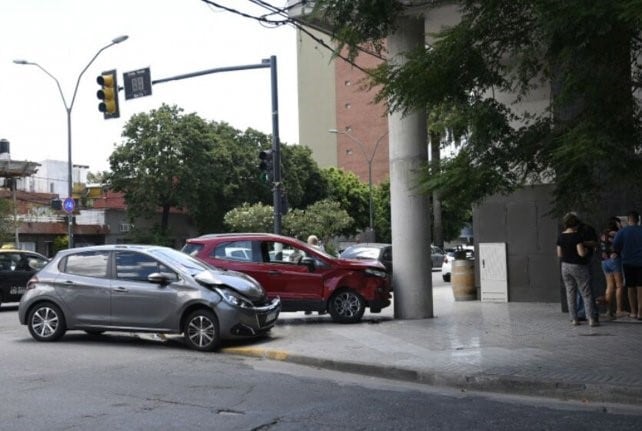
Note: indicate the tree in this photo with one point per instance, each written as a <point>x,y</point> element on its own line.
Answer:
<point>325,219</point>
<point>381,200</point>
<point>250,218</point>
<point>352,195</point>
<point>303,180</point>
<point>233,175</point>
<point>163,163</point>
<point>97,177</point>
<point>587,141</point>
<point>7,222</point>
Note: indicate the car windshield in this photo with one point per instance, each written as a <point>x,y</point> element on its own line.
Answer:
<point>181,260</point>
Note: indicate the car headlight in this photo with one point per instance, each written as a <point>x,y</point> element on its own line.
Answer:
<point>234,299</point>
<point>376,272</point>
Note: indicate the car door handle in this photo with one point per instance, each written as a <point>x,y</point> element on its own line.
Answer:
<point>121,289</point>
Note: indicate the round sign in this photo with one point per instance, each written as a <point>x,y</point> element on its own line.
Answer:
<point>69,204</point>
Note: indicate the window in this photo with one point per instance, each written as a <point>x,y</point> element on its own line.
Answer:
<point>90,264</point>
<point>235,250</point>
<point>280,252</point>
<point>137,266</point>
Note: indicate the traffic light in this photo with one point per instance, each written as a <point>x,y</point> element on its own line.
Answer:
<point>108,94</point>
<point>266,165</point>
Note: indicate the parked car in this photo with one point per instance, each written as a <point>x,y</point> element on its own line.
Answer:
<point>140,288</point>
<point>304,277</point>
<point>370,251</point>
<point>446,267</point>
<point>383,253</point>
<point>16,268</point>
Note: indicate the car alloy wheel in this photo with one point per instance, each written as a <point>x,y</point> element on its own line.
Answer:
<point>46,322</point>
<point>347,307</point>
<point>201,331</point>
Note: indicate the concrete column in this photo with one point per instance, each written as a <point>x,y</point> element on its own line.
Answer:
<point>410,213</point>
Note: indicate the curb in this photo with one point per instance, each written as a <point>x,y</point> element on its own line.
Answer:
<point>558,389</point>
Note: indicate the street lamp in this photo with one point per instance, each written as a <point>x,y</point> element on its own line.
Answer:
<point>369,159</point>
<point>68,108</point>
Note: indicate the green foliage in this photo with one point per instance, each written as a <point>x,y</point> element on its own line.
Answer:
<point>250,218</point>
<point>381,198</point>
<point>302,178</point>
<point>210,170</point>
<point>151,166</point>
<point>352,195</point>
<point>473,75</point>
<point>325,219</point>
<point>7,225</point>
<point>60,243</point>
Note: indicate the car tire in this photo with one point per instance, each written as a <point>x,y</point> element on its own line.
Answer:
<point>46,322</point>
<point>346,306</point>
<point>201,331</point>
<point>446,277</point>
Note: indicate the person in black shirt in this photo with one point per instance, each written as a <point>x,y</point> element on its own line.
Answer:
<point>590,241</point>
<point>575,271</point>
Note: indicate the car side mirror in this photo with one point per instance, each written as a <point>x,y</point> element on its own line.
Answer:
<point>309,262</point>
<point>162,278</point>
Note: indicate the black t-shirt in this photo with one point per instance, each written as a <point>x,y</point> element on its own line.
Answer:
<point>568,243</point>
<point>588,234</point>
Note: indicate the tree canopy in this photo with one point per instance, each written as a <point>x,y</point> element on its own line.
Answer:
<point>473,76</point>
<point>169,159</point>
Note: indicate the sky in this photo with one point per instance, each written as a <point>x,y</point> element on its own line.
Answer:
<point>171,37</point>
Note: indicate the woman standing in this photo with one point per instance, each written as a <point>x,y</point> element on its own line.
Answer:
<point>612,268</point>
<point>575,270</point>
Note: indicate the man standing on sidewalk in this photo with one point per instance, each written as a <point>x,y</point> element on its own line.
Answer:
<point>628,245</point>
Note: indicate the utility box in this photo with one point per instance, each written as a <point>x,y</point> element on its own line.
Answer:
<point>493,272</point>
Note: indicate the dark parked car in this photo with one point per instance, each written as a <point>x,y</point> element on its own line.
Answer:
<point>304,277</point>
<point>370,251</point>
<point>138,288</point>
<point>383,253</point>
<point>16,268</point>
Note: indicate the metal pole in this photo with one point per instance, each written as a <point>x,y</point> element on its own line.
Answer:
<point>70,224</point>
<point>369,159</point>
<point>276,142</point>
<point>68,108</point>
<point>276,148</point>
<point>370,191</point>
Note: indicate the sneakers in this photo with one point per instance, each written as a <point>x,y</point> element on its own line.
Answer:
<point>575,322</point>
<point>594,322</point>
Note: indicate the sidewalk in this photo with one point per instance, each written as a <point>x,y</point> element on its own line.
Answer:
<point>516,348</point>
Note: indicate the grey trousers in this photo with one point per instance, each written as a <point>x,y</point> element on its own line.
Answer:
<point>576,277</point>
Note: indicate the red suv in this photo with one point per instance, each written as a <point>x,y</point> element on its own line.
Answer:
<point>304,277</point>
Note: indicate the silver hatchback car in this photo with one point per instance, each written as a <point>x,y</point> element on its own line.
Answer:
<point>141,288</point>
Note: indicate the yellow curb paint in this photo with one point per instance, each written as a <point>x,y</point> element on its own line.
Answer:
<point>278,355</point>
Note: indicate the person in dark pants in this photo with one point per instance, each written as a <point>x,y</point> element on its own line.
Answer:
<point>628,245</point>
<point>590,241</point>
<point>574,267</point>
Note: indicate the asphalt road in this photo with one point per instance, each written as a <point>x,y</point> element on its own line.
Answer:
<point>124,382</point>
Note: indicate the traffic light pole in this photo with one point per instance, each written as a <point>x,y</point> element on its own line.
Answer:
<point>276,143</point>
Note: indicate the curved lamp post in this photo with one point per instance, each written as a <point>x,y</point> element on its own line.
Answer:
<point>68,108</point>
<point>369,159</point>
